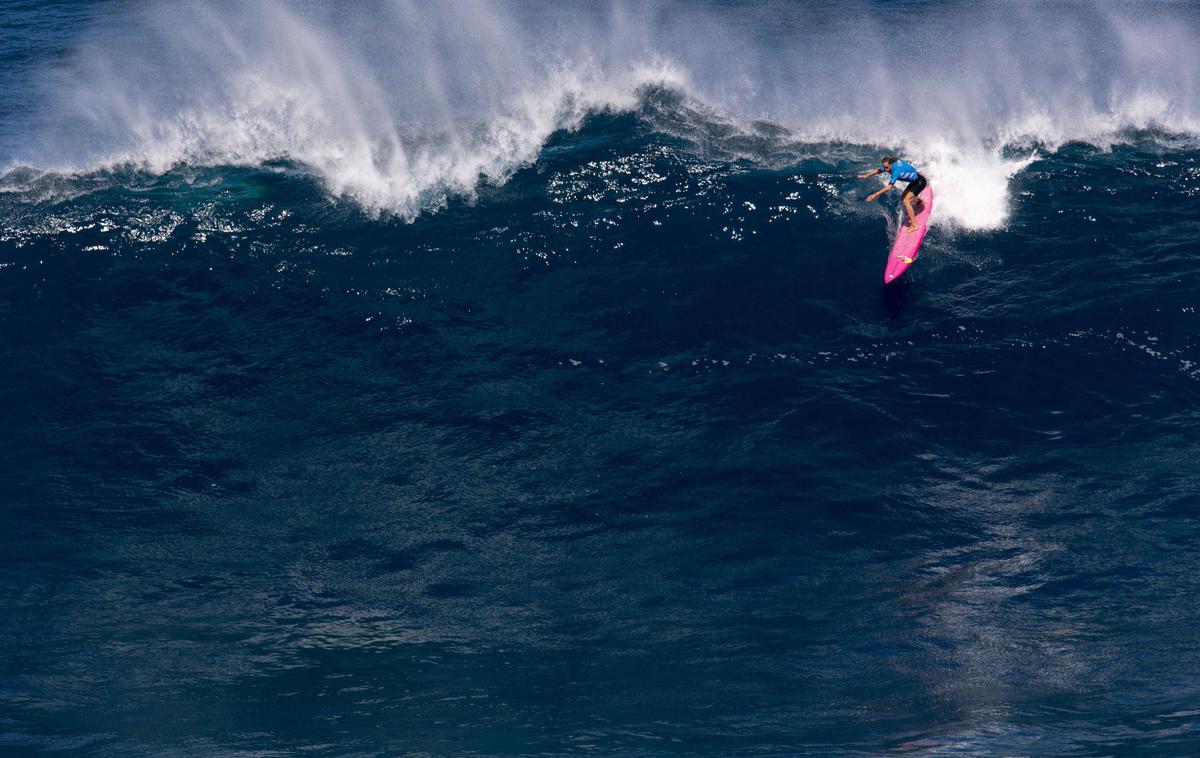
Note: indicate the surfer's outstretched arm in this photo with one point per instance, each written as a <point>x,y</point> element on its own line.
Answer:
<point>869,174</point>
<point>874,195</point>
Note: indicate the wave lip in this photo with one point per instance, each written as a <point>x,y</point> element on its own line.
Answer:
<point>398,107</point>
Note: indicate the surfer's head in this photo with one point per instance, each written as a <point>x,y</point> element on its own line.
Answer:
<point>888,160</point>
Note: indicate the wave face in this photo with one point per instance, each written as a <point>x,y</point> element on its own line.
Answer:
<point>398,105</point>
<point>518,379</point>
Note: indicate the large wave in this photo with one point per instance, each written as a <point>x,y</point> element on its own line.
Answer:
<point>399,104</point>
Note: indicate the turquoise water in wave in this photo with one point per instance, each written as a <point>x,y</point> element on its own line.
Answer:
<point>545,398</point>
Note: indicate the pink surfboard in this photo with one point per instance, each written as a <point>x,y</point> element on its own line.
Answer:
<point>908,244</point>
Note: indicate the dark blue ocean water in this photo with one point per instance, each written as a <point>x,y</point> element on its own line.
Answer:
<point>616,446</point>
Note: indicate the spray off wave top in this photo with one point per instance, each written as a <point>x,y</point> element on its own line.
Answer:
<point>398,105</point>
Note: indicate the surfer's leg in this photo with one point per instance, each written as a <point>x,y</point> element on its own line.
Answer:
<point>908,209</point>
<point>911,197</point>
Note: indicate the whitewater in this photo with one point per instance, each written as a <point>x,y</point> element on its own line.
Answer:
<point>399,105</point>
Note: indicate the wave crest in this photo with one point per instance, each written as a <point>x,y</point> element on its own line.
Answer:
<point>400,105</point>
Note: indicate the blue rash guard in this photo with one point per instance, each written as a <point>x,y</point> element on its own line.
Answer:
<point>902,171</point>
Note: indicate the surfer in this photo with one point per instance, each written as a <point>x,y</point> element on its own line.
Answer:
<point>900,171</point>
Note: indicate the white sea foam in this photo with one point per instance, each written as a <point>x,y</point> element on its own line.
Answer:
<point>971,183</point>
<point>399,104</point>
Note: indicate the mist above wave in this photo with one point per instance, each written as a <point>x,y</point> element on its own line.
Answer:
<point>392,104</point>
<point>399,104</point>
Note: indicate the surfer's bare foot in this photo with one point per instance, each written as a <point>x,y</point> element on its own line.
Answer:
<point>910,227</point>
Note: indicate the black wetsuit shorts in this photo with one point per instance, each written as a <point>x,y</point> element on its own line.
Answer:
<point>915,186</point>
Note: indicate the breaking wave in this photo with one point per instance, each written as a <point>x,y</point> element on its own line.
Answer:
<point>399,105</point>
